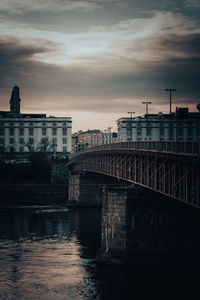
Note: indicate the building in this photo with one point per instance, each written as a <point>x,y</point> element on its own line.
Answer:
<point>94,137</point>
<point>21,132</point>
<point>107,137</point>
<point>89,137</point>
<point>179,126</point>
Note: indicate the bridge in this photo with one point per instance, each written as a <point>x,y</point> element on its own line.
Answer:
<point>168,167</point>
<point>138,184</point>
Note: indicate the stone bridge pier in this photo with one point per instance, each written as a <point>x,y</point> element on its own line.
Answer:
<point>85,188</point>
<point>140,226</point>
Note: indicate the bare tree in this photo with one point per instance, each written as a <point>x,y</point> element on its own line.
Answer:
<point>30,145</point>
<point>7,154</point>
<point>44,145</point>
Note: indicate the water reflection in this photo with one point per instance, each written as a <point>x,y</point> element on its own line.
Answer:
<point>41,255</point>
<point>48,253</point>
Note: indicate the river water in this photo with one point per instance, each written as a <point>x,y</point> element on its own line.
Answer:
<point>48,252</point>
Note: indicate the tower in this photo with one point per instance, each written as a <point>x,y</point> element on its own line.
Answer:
<point>15,101</point>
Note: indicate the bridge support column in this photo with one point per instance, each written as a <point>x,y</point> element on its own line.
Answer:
<point>114,221</point>
<point>140,226</point>
<point>85,189</point>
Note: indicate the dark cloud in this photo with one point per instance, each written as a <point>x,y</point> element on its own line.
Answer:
<point>102,82</point>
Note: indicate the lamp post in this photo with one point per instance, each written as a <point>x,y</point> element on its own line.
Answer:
<point>170,99</point>
<point>147,104</point>
<point>131,113</point>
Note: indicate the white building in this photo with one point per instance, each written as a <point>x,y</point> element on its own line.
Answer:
<point>179,126</point>
<point>33,132</point>
<point>108,137</point>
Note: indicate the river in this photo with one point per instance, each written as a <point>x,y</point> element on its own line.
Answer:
<point>48,252</point>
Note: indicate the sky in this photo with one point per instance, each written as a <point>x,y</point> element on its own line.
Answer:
<point>95,60</point>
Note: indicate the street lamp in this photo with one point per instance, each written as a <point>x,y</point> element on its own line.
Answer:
<point>170,99</point>
<point>131,113</point>
<point>147,104</point>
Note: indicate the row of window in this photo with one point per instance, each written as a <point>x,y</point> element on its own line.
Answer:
<point>32,124</point>
<point>171,131</point>
<point>31,131</point>
<point>22,149</point>
<point>31,141</point>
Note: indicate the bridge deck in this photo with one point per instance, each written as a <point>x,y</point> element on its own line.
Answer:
<point>170,168</point>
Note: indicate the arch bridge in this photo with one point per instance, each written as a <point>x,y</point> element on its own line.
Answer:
<point>168,167</point>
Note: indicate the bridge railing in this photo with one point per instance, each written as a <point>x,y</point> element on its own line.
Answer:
<point>184,147</point>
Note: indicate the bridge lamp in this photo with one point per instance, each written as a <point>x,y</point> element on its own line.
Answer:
<point>147,106</point>
<point>170,99</point>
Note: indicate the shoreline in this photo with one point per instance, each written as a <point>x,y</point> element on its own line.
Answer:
<point>34,193</point>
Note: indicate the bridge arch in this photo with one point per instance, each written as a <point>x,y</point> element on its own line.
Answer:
<point>170,168</point>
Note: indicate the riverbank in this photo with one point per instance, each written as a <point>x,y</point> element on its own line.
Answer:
<point>33,193</point>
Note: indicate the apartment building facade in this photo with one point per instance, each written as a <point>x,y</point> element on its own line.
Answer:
<point>179,126</point>
<point>33,132</point>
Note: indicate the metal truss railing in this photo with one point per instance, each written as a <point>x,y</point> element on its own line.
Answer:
<point>182,147</point>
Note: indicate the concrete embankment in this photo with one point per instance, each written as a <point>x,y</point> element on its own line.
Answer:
<point>36,194</point>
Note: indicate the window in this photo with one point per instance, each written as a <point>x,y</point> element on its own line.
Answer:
<point>31,124</point>
<point>171,133</point>
<point>1,141</point>
<point>64,149</point>
<point>21,149</point>
<point>189,130</point>
<point>30,141</point>
<point>44,140</point>
<point>54,144</point>
<point>64,141</point>
<point>21,141</point>
<point>148,130</point>
<point>44,131</point>
<point>21,124</point>
<point>30,131</point>
<point>162,131</point>
<point>54,131</point>
<point>11,131</point>
<point>139,131</point>
<point>180,131</point>
<point>64,131</point>
<point>128,132</point>
<point>21,131</point>
<point>11,141</point>
<point>1,131</point>
<point>43,124</point>
<point>54,140</point>
<point>64,124</point>
<point>54,124</point>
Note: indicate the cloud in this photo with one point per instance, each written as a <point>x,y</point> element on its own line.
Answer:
<point>138,59</point>
<point>192,3</point>
<point>24,6</point>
